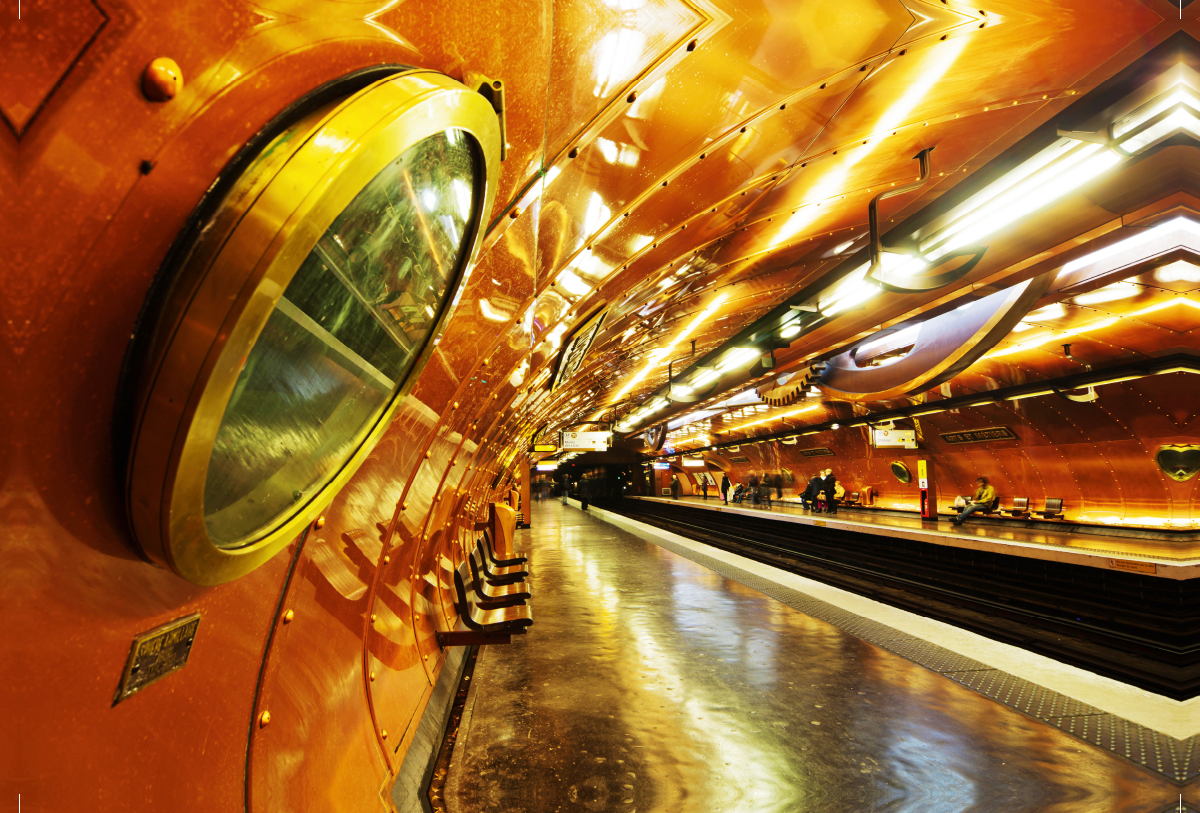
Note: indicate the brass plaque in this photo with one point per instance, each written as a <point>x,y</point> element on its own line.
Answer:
<point>820,451</point>
<point>979,435</point>
<point>545,447</point>
<point>1132,567</point>
<point>156,654</point>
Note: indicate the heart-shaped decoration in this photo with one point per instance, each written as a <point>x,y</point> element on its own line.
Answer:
<point>1179,461</point>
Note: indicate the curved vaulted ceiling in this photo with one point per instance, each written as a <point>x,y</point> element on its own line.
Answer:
<point>731,177</point>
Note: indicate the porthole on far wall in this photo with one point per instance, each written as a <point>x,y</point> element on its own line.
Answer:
<point>901,472</point>
<point>299,318</point>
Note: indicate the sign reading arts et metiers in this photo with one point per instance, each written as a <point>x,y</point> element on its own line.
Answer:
<point>979,435</point>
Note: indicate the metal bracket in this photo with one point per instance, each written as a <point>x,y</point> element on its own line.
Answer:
<point>493,91</point>
<point>1087,396</point>
<point>875,246</point>
<point>1105,138</point>
<point>907,285</point>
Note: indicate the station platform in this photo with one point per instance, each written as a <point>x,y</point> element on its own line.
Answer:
<point>1139,551</point>
<point>662,675</point>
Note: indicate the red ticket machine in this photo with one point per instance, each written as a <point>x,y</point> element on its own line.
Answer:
<point>929,507</point>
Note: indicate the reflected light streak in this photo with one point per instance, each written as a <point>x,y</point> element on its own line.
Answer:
<point>794,412</point>
<point>940,60</point>
<point>756,779</point>
<point>658,355</point>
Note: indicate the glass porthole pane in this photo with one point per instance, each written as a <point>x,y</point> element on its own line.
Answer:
<point>342,338</point>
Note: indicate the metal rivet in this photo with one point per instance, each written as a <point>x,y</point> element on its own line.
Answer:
<point>372,676</point>
<point>288,616</point>
<point>632,97</point>
<point>383,735</point>
<point>372,618</point>
<point>455,405</point>
<point>691,46</point>
<point>429,454</point>
<point>403,506</point>
<point>387,559</point>
<point>515,213</point>
<point>264,719</point>
<point>162,80</point>
<point>574,153</point>
<point>320,523</point>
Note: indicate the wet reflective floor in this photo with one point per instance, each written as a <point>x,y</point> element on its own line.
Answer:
<point>650,683</point>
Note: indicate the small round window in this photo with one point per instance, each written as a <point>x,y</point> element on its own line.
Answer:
<point>299,315</point>
<point>342,338</point>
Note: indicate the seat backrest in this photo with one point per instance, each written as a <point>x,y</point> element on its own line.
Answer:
<point>503,524</point>
<point>995,504</point>
<point>460,590</point>
<point>1054,504</point>
<point>1020,503</point>
<point>854,495</point>
<point>475,565</point>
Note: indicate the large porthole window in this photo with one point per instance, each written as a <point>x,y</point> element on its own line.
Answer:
<point>300,317</point>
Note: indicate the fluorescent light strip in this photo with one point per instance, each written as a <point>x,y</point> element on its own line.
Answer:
<point>1181,96</point>
<point>1179,120</point>
<point>1011,205</point>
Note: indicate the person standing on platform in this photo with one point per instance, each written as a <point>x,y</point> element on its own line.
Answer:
<point>704,487</point>
<point>779,486</point>
<point>809,498</point>
<point>725,486</point>
<point>752,487</point>
<point>984,499</point>
<point>828,487</point>
<point>675,486</point>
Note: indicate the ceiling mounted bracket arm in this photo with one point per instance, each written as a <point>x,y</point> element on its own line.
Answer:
<point>493,91</point>
<point>1088,395</point>
<point>1102,137</point>
<point>875,244</point>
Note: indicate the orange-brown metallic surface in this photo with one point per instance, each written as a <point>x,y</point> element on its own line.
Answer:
<point>626,123</point>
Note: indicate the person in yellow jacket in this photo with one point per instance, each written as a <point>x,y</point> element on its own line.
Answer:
<point>984,499</point>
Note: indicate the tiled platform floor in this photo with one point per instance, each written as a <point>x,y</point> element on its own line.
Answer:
<point>651,683</point>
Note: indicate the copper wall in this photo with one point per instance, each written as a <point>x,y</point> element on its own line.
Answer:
<point>1097,457</point>
<point>84,229</point>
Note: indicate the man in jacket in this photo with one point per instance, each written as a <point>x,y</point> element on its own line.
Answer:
<point>829,486</point>
<point>984,499</point>
<point>779,486</point>
<point>725,486</point>
<point>809,498</point>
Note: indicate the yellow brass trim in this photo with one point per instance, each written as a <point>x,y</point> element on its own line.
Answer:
<point>230,283</point>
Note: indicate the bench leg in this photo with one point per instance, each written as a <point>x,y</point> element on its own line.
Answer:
<point>470,638</point>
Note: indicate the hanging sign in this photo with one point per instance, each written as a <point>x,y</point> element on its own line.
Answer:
<point>590,441</point>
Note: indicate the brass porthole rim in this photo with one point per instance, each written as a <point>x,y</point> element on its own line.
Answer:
<point>279,222</point>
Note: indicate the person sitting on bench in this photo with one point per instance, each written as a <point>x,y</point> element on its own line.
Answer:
<point>984,500</point>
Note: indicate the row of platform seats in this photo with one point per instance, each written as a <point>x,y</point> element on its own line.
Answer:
<point>1053,508</point>
<point>490,588</point>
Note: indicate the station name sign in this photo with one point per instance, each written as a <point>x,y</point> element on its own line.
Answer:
<point>979,435</point>
<point>591,441</point>
<point>820,451</point>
